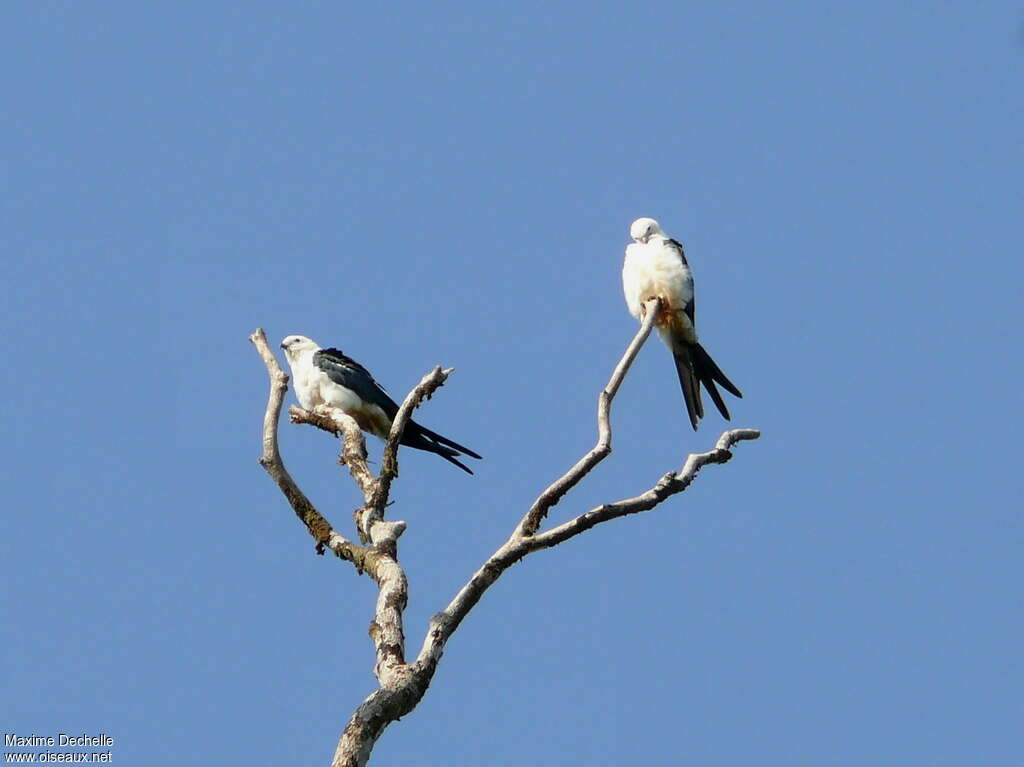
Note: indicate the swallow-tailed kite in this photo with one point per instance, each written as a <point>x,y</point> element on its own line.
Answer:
<point>655,267</point>
<point>329,377</point>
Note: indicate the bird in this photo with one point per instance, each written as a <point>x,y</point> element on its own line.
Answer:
<point>330,377</point>
<point>655,267</point>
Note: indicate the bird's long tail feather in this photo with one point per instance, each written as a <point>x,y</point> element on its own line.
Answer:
<point>445,441</point>
<point>689,383</point>
<point>424,439</point>
<point>450,457</point>
<point>694,367</point>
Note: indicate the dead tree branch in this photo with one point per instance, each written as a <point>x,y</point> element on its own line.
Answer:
<point>353,445</point>
<point>402,685</point>
<point>272,462</point>
<point>425,389</point>
<point>380,559</point>
<point>557,490</point>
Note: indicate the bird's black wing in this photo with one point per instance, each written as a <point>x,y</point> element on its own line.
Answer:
<point>678,247</point>
<point>345,371</point>
<point>690,308</point>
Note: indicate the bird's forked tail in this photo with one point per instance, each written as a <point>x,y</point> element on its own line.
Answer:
<point>694,367</point>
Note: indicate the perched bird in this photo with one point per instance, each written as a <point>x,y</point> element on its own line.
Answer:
<point>655,267</point>
<point>329,377</point>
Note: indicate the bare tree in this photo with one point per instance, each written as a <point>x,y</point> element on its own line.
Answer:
<point>403,683</point>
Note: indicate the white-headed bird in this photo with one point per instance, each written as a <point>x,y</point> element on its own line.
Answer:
<point>656,267</point>
<point>329,377</point>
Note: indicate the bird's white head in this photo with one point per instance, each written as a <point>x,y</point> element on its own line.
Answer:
<point>296,345</point>
<point>643,229</point>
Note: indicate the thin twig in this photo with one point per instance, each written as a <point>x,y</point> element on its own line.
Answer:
<point>443,624</point>
<point>353,444</point>
<point>378,499</point>
<point>669,484</point>
<point>556,491</point>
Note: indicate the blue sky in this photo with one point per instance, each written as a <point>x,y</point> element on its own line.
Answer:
<point>453,184</point>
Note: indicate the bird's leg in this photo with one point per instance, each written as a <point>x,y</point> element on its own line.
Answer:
<point>643,307</point>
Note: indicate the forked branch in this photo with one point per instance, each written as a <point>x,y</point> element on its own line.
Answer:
<point>402,685</point>
<point>557,490</point>
<point>379,560</point>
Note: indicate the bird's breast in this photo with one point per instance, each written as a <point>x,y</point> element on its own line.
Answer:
<point>370,417</point>
<point>306,389</point>
<point>339,396</point>
<point>655,271</point>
